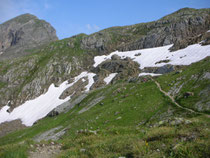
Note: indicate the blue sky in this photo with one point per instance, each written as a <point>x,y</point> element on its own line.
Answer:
<point>71,17</point>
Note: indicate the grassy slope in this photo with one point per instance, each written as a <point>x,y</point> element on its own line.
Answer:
<point>193,81</point>
<point>138,133</point>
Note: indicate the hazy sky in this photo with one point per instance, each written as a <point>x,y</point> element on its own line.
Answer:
<point>70,17</point>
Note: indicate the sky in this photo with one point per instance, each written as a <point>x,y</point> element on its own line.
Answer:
<point>71,17</point>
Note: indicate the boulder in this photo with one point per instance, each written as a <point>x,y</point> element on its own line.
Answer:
<point>188,94</point>
<point>115,57</point>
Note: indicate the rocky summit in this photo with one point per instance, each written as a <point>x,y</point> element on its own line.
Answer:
<point>20,34</point>
<point>132,91</point>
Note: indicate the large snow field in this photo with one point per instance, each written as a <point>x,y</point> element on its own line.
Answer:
<point>149,57</point>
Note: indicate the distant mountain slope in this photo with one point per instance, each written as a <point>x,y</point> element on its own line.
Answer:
<point>24,32</point>
<point>28,77</point>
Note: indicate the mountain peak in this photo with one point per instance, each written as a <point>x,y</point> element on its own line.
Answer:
<point>27,15</point>
<point>24,32</point>
<point>23,18</point>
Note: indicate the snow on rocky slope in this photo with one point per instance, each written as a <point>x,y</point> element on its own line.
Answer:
<point>160,56</point>
<point>35,109</point>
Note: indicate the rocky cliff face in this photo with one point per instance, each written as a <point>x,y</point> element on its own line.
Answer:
<point>28,77</point>
<point>169,29</point>
<point>22,33</point>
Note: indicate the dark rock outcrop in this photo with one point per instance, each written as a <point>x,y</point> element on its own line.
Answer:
<point>160,70</point>
<point>125,69</point>
<point>118,65</point>
<point>204,38</point>
<point>23,33</point>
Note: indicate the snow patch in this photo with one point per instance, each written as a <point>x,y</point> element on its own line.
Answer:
<point>151,74</point>
<point>91,81</point>
<point>109,78</point>
<point>149,57</point>
<point>35,109</point>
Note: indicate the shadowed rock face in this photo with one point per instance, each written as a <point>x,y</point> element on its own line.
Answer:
<point>204,38</point>
<point>24,32</point>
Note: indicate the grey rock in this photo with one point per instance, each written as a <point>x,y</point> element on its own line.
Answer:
<point>82,150</point>
<point>206,38</point>
<point>204,103</point>
<point>96,41</point>
<point>52,134</point>
<point>176,89</point>
<point>91,104</point>
<point>160,70</point>
<point>24,32</point>
<point>65,107</point>
<point>116,113</point>
<point>118,118</point>
<point>124,67</point>
<point>206,75</point>
<point>115,57</point>
<point>174,28</point>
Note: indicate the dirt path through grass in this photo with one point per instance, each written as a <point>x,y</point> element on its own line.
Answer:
<point>173,100</point>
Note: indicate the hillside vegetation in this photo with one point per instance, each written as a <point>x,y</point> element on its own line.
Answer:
<point>134,119</point>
